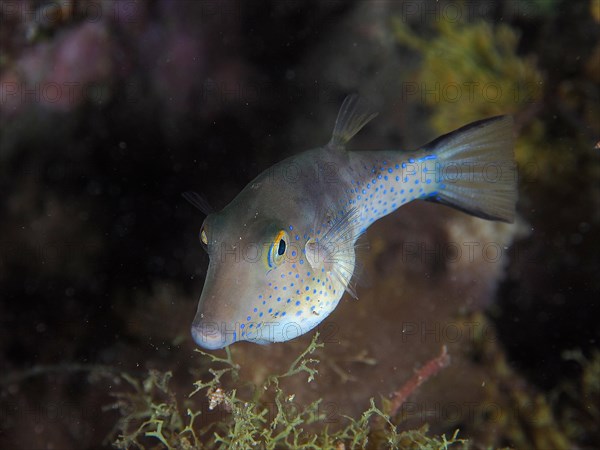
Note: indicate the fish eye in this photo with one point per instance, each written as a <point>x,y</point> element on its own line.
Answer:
<point>277,249</point>
<point>203,237</point>
<point>281,248</point>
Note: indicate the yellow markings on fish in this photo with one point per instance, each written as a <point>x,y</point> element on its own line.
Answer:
<point>277,249</point>
<point>310,233</point>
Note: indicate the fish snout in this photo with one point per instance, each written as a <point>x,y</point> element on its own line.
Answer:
<point>209,335</point>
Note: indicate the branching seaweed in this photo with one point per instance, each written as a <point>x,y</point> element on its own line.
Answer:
<point>152,416</point>
<point>151,410</point>
<point>230,368</point>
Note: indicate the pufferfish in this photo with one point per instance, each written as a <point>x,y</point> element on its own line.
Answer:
<point>282,253</point>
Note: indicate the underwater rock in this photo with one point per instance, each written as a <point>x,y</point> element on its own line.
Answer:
<point>60,74</point>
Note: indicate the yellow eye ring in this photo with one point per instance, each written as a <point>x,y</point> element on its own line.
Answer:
<point>277,250</point>
<point>203,237</point>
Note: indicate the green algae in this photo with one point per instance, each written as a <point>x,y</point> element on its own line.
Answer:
<point>578,401</point>
<point>152,415</point>
<point>470,71</point>
<point>473,70</point>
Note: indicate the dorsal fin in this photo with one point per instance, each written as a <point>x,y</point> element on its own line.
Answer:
<point>354,114</point>
<point>198,201</point>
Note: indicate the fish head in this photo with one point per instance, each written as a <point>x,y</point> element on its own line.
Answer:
<point>268,280</point>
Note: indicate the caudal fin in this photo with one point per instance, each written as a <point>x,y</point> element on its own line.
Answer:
<point>477,171</point>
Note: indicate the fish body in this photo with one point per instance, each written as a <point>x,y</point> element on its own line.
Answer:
<point>282,253</point>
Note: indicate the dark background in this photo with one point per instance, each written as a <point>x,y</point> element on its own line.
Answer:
<point>186,95</point>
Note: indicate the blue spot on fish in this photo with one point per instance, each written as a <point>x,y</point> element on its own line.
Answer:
<point>339,214</point>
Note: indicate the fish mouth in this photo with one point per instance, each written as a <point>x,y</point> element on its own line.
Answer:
<point>215,335</point>
<point>210,335</point>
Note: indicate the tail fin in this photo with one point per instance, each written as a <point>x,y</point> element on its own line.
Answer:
<point>478,172</point>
